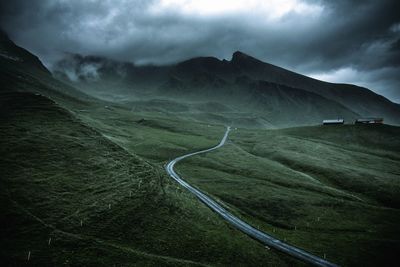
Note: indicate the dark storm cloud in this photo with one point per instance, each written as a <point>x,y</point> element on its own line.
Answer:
<point>344,41</point>
<point>358,33</point>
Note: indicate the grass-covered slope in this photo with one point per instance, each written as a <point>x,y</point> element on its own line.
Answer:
<point>99,204</point>
<point>334,191</point>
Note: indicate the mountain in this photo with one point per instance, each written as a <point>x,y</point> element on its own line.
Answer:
<point>244,84</point>
<point>23,71</point>
<point>199,81</point>
<point>100,76</point>
<point>357,99</point>
<point>360,100</point>
<point>255,92</point>
<point>10,52</point>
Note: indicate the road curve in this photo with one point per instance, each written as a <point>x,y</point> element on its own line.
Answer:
<point>238,223</point>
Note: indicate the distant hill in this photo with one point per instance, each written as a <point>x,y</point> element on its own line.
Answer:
<point>243,70</point>
<point>359,99</point>
<point>244,83</point>
<point>257,94</point>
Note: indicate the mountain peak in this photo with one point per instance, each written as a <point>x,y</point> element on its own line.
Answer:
<point>4,37</point>
<point>240,57</point>
<point>237,54</point>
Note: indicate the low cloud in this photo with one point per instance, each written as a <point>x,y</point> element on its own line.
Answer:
<point>79,68</point>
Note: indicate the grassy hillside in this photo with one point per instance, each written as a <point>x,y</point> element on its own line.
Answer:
<point>86,175</point>
<point>334,191</point>
<point>99,204</point>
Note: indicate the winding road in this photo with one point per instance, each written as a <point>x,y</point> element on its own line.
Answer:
<point>238,223</point>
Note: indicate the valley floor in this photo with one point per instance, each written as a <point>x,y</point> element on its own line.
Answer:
<point>334,191</point>
<point>90,177</point>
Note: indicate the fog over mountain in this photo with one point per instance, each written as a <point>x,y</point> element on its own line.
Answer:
<point>339,41</point>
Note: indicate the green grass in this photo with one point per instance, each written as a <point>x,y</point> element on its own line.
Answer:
<point>329,190</point>
<point>154,136</point>
<point>58,172</point>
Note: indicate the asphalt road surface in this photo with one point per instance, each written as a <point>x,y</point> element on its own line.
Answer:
<point>264,238</point>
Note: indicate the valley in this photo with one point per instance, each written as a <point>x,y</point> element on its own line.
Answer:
<point>83,180</point>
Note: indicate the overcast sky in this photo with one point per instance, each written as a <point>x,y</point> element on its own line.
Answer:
<point>352,41</point>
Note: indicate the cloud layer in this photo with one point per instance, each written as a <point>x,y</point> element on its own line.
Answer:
<point>341,41</point>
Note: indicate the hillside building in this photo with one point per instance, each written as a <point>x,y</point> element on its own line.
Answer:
<point>369,121</point>
<point>330,122</point>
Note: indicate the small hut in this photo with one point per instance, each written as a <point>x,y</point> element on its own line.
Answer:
<point>369,121</point>
<point>335,121</point>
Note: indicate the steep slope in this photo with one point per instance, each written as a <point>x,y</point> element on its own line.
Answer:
<point>22,71</point>
<point>210,79</point>
<point>233,83</point>
<point>359,99</point>
<point>10,52</point>
<point>200,81</point>
<point>286,106</point>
